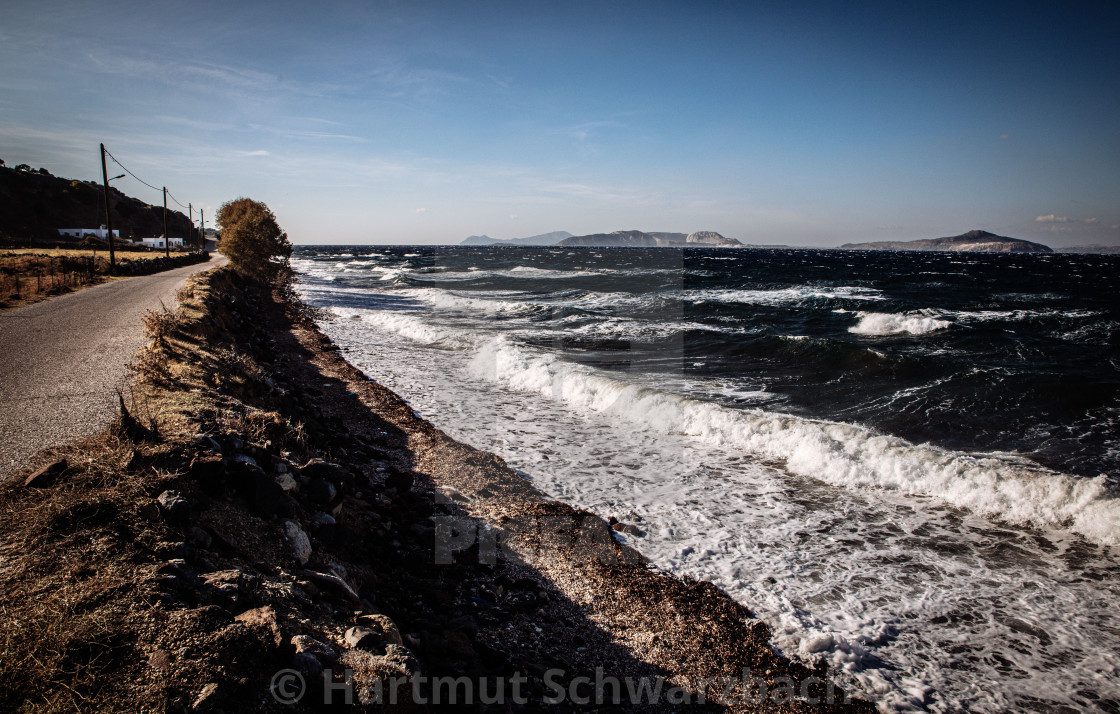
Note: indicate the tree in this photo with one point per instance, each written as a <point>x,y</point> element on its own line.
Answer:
<point>252,239</point>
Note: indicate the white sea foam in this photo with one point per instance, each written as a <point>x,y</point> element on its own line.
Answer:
<point>518,271</point>
<point>844,455</point>
<point>962,612</point>
<point>836,577</point>
<point>883,324</point>
<point>491,304</point>
<point>782,296</point>
<point>411,326</point>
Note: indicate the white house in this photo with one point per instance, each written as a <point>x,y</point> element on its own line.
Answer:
<point>158,242</point>
<point>101,232</point>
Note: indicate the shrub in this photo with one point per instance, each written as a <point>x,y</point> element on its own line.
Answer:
<point>252,239</point>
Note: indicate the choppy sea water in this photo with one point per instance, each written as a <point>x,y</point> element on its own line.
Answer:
<point>906,464</point>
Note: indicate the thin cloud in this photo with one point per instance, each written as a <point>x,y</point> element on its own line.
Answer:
<point>504,84</point>
<point>306,134</point>
<point>1052,219</point>
<point>258,152</point>
<point>1092,221</point>
<point>420,210</point>
<point>581,132</point>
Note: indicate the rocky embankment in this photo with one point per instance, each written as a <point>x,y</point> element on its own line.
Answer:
<point>266,530</point>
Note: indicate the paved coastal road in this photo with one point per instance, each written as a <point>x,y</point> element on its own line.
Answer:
<point>61,360</point>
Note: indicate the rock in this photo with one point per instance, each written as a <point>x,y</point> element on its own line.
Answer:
<point>399,480</point>
<point>286,483</point>
<point>176,509</point>
<point>199,537</point>
<point>372,675</point>
<point>160,660</point>
<point>206,442</point>
<point>318,468</point>
<point>363,638</point>
<point>628,529</point>
<point>177,567</point>
<point>207,699</point>
<point>385,628</point>
<point>264,617</point>
<point>209,472</point>
<point>323,652</point>
<point>335,582</point>
<point>324,519</point>
<point>308,665</point>
<point>403,658</point>
<point>234,443</point>
<point>46,476</point>
<point>321,491</point>
<point>262,494</point>
<point>301,544</point>
<point>225,585</point>
<point>243,459</point>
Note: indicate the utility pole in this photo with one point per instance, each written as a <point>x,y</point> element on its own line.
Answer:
<point>202,229</point>
<point>190,222</point>
<point>108,213</point>
<point>166,238</point>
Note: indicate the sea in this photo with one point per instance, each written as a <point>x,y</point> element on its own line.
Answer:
<point>906,464</point>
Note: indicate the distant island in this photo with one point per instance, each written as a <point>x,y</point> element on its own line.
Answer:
<point>639,239</point>
<point>974,241</point>
<point>635,239</point>
<point>543,239</point>
<point>1095,249</point>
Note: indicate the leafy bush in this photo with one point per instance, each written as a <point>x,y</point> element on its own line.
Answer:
<point>252,239</point>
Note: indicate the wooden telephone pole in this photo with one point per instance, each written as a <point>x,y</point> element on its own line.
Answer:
<point>166,238</point>
<point>202,229</point>
<point>108,213</point>
<point>190,228</point>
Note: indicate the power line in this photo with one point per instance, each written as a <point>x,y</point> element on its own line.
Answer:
<point>154,188</point>
<point>175,200</point>
<point>118,163</point>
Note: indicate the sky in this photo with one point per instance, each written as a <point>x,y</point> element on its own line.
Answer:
<point>803,123</point>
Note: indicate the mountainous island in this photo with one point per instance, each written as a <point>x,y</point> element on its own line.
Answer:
<point>974,241</point>
<point>543,239</point>
<point>639,239</point>
<point>635,239</point>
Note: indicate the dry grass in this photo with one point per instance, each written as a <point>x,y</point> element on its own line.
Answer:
<point>81,253</point>
<point>77,584</point>
<point>28,277</point>
<point>73,596</point>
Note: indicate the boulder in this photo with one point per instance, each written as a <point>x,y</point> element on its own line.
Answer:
<point>263,617</point>
<point>46,476</point>
<point>297,538</point>
<point>174,507</point>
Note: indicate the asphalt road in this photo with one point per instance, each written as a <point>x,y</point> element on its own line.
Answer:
<point>62,360</point>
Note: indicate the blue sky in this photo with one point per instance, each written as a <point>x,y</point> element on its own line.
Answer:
<point>425,122</point>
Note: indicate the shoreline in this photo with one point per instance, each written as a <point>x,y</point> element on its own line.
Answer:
<point>328,505</point>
